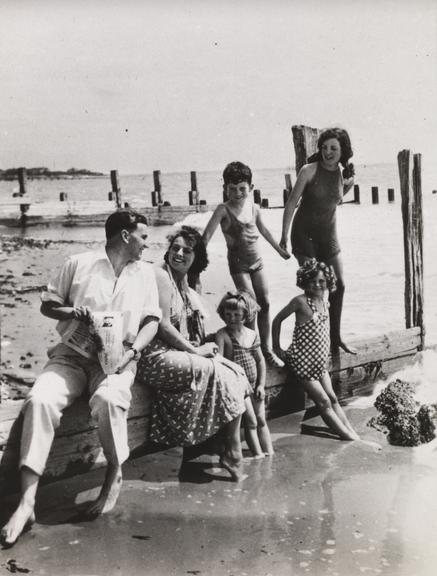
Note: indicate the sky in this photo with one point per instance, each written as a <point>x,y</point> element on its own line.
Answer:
<point>181,85</point>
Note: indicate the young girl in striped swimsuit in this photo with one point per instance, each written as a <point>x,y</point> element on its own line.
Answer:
<point>307,357</point>
<point>242,345</point>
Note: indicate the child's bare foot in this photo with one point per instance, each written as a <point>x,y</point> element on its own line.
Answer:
<point>269,453</point>
<point>21,521</point>
<point>109,493</point>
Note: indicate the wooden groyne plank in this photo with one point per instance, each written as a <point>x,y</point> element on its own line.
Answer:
<point>77,449</point>
<point>91,213</point>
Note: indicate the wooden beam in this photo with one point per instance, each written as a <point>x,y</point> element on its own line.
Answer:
<point>305,143</point>
<point>412,219</point>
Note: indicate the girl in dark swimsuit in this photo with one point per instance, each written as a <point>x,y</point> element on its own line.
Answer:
<point>320,187</point>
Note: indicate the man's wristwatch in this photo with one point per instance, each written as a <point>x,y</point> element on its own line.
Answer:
<point>136,355</point>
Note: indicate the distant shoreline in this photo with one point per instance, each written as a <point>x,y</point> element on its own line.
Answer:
<point>44,173</point>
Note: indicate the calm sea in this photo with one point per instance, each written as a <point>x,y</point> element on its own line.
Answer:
<point>370,236</point>
<point>136,189</point>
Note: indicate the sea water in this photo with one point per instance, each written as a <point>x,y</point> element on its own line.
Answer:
<point>370,237</point>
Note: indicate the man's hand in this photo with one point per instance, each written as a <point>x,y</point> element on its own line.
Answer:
<point>83,314</point>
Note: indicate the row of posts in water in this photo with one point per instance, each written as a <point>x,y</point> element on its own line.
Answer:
<point>194,195</point>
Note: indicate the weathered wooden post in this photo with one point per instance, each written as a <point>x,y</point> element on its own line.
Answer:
<point>265,203</point>
<point>375,195</point>
<point>391,195</point>
<point>63,196</point>
<point>257,197</point>
<point>22,180</point>
<point>305,143</point>
<point>115,188</point>
<point>288,188</point>
<point>411,195</point>
<point>357,194</point>
<point>193,194</point>
<point>157,192</point>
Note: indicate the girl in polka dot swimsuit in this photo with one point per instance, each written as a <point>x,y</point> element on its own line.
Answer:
<point>307,357</point>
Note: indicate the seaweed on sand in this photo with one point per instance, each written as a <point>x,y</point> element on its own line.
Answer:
<point>405,421</point>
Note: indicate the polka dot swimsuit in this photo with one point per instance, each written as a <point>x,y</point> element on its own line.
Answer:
<point>308,354</point>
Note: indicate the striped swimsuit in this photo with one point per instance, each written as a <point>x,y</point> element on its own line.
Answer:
<point>308,354</point>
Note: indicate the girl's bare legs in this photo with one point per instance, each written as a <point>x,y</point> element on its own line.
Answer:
<point>24,515</point>
<point>263,430</point>
<point>336,307</point>
<point>326,383</point>
<point>251,430</point>
<point>256,285</point>
<point>315,391</point>
<point>232,455</point>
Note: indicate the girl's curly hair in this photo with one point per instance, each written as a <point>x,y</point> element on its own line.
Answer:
<point>238,301</point>
<point>193,237</point>
<point>309,270</point>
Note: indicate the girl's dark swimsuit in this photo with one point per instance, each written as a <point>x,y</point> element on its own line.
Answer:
<point>314,230</point>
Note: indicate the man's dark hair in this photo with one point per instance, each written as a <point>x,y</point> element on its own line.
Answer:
<point>237,172</point>
<point>125,219</point>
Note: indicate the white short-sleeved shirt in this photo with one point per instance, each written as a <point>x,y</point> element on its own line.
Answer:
<point>88,279</point>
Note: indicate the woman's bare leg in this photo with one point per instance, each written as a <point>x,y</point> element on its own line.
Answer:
<point>232,457</point>
<point>336,307</point>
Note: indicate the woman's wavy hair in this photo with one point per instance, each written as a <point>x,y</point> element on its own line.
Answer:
<point>238,301</point>
<point>345,144</point>
<point>309,270</point>
<point>194,238</point>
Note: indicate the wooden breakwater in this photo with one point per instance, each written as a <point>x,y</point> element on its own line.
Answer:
<point>20,210</point>
<point>76,446</point>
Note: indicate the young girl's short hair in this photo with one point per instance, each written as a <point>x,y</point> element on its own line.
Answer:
<point>238,301</point>
<point>309,270</point>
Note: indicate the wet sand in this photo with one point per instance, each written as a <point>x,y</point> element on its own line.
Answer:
<point>318,507</point>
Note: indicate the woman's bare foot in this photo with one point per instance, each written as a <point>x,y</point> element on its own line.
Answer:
<point>109,493</point>
<point>234,467</point>
<point>337,345</point>
<point>20,521</point>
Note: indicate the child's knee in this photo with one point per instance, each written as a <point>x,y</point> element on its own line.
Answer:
<point>250,421</point>
<point>323,404</point>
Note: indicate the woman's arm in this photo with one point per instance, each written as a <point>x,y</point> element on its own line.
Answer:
<point>305,173</point>
<point>268,236</point>
<point>287,311</point>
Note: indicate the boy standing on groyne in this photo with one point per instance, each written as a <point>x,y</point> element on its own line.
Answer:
<point>241,223</point>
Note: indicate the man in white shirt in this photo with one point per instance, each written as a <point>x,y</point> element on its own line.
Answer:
<point>114,281</point>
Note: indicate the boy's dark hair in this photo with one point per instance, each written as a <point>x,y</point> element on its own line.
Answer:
<point>125,219</point>
<point>237,172</point>
<point>309,270</point>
